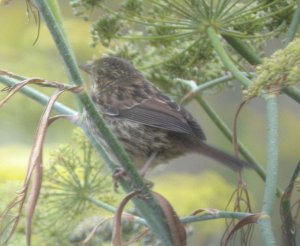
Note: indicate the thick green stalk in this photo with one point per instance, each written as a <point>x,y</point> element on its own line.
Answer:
<point>266,230</point>
<point>272,171</point>
<point>272,153</point>
<point>149,209</point>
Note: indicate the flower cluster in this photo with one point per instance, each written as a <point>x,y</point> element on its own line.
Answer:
<point>282,69</point>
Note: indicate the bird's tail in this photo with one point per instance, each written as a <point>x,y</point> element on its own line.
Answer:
<point>222,157</point>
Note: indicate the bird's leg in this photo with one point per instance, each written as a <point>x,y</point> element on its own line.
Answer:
<point>148,164</point>
<point>118,173</point>
<point>121,173</point>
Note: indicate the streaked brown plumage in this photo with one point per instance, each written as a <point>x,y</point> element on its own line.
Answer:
<point>144,119</point>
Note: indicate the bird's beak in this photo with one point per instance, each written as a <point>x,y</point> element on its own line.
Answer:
<point>85,67</point>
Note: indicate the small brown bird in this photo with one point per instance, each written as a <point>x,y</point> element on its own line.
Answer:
<point>147,122</point>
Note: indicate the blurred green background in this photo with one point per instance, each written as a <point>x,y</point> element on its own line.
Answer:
<point>203,183</point>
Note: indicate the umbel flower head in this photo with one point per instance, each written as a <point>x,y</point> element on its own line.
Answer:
<point>72,175</point>
<point>282,69</point>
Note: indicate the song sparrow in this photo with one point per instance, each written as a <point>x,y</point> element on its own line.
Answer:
<point>146,121</point>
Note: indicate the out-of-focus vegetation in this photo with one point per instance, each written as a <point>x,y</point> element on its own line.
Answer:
<point>191,57</point>
<point>168,39</point>
<point>74,173</point>
<point>19,55</point>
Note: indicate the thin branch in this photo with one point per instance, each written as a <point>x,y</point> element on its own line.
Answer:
<point>272,171</point>
<point>38,97</point>
<point>220,123</point>
<point>112,209</point>
<point>228,134</point>
<point>218,47</point>
<point>217,214</point>
<point>204,86</point>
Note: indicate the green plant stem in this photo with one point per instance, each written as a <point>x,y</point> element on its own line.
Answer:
<point>101,204</point>
<point>272,153</point>
<point>223,127</point>
<point>215,215</point>
<point>209,84</point>
<point>294,25</point>
<point>206,85</point>
<point>293,93</point>
<point>218,47</point>
<point>272,171</point>
<point>149,209</point>
<point>112,209</point>
<point>266,230</point>
<point>228,134</point>
<point>243,49</point>
<point>38,97</point>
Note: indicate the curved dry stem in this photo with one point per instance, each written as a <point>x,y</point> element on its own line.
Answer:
<point>234,133</point>
<point>117,224</point>
<point>241,203</point>
<point>35,161</point>
<point>177,229</point>
<point>249,220</point>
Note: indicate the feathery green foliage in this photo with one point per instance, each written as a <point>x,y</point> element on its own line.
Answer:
<point>73,173</point>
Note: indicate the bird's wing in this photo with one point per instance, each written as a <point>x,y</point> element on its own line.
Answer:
<point>158,113</point>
